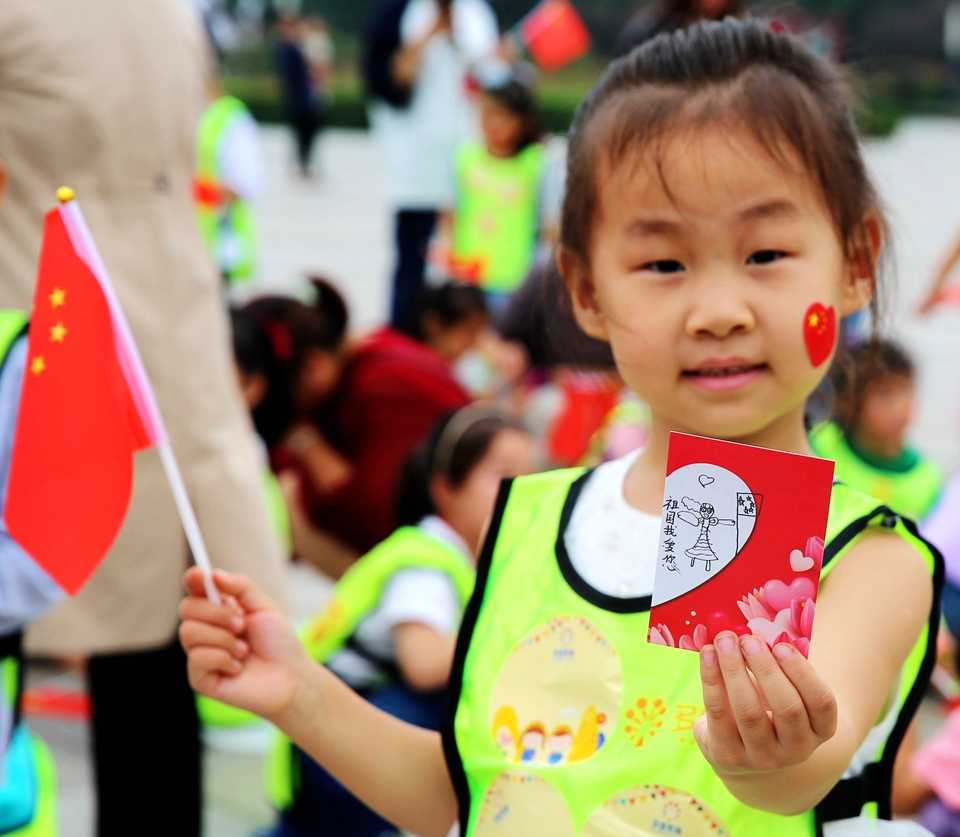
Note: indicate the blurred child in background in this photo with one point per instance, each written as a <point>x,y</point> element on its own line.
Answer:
<point>875,400</point>
<point>340,416</point>
<point>449,318</point>
<point>229,179</point>
<point>390,626</point>
<point>498,182</point>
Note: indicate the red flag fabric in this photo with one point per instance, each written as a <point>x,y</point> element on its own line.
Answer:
<point>554,34</point>
<point>71,473</point>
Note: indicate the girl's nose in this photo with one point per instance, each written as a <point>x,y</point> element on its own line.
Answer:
<point>719,309</point>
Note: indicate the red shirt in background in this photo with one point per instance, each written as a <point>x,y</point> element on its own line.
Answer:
<point>393,392</point>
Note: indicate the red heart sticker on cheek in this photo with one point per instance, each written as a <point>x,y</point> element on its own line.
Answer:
<point>819,332</point>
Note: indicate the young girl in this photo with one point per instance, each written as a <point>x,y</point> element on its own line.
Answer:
<point>715,193</point>
<point>874,402</point>
<point>390,626</point>
<point>498,183</point>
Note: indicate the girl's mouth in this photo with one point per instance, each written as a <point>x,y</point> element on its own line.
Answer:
<point>725,377</point>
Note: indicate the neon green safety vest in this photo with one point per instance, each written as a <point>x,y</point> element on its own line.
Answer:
<point>912,491</point>
<point>495,227</point>
<point>219,217</point>
<point>355,597</point>
<point>569,723</point>
<point>28,754</point>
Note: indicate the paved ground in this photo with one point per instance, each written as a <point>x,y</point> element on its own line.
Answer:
<point>338,225</point>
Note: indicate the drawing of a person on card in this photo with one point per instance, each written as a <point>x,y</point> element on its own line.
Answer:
<point>704,516</point>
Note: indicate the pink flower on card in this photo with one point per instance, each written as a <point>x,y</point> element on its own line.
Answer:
<point>814,549</point>
<point>661,635</point>
<point>793,624</point>
<point>697,641</point>
<point>752,606</point>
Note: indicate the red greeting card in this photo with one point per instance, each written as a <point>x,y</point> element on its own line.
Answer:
<point>741,543</point>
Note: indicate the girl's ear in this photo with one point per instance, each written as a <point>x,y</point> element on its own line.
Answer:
<point>862,273</point>
<point>585,309</point>
<point>440,493</point>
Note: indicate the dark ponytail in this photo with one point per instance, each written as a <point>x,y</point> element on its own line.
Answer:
<point>331,306</point>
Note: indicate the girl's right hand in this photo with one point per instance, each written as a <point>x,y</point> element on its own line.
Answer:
<point>244,652</point>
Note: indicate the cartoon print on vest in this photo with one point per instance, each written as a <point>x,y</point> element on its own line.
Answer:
<point>557,697</point>
<point>520,804</point>
<point>652,811</point>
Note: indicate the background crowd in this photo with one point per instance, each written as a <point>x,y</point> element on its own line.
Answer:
<point>307,440</point>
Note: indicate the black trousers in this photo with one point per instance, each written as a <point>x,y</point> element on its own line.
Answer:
<point>305,124</point>
<point>146,744</point>
<point>413,230</point>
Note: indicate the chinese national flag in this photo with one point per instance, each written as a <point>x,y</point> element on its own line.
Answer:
<point>83,411</point>
<point>554,34</point>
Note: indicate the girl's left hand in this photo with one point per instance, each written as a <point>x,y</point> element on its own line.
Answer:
<point>765,710</point>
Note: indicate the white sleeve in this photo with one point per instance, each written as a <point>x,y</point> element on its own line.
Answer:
<point>475,30</point>
<point>242,161</point>
<point>427,597</point>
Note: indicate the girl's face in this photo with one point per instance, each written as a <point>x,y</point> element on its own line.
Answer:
<point>318,378</point>
<point>468,506</point>
<point>701,278</point>
<point>885,414</point>
<point>455,340</point>
<point>501,127</point>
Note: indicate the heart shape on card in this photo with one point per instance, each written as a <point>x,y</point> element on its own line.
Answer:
<point>708,517</point>
<point>819,332</point>
<point>780,596</point>
<point>799,562</point>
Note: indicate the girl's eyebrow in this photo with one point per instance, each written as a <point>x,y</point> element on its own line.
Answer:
<point>640,227</point>
<point>779,208</point>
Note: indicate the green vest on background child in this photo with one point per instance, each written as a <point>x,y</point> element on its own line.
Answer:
<point>227,223</point>
<point>911,485</point>
<point>497,214</point>
<point>356,595</point>
<point>622,759</point>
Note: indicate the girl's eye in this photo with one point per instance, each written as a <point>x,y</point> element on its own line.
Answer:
<point>664,266</point>
<point>766,256</point>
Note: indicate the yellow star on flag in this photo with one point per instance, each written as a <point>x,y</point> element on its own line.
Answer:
<point>38,365</point>
<point>58,297</point>
<point>814,320</point>
<point>58,332</point>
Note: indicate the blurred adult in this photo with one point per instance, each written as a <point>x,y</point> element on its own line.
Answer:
<point>343,415</point>
<point>106,96</point>
<point>419,61</point>
<point>670,16</point>
<point>296,83</point>
<point>318,48</point>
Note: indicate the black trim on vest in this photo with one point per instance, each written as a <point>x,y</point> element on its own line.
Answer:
<point>614,604</point>
<point>385,668</point>
<point>455,687</point>
<point>12,646</point>
<point>847,798</point>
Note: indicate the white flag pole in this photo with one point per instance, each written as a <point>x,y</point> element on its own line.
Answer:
<point>188,519</point>
<point>139,384</point>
